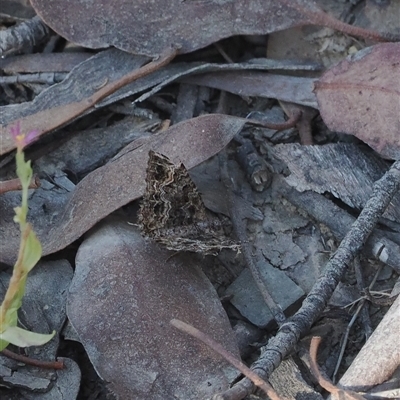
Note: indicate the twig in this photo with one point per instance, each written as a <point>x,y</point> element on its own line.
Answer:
<point>189,329</point>
<point>360,307</point>
<point>290,123</point>
<point>48,78</point>
<point>33,361</point>
<point>240,226</point>
<point>325,383</point>
<point>365,319</point>
<point>316,16</point>
<point>15,184</point>
<point>27,34</point>
<point>339,222</point>
<point>303,125</point>
<point>298,325</point>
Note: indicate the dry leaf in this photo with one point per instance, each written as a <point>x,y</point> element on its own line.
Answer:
<point>124,293</point>
<point>147,28</point>
<point>360,96</point>
<point>117,183</point>
<point>293,89</point>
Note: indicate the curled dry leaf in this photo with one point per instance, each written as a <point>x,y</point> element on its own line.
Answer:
<point>129,289</point>
<point>360,96</point>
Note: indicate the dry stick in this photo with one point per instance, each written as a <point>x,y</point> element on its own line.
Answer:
<point>298,325</point>
<point>325,383</point>
<point>240,227</point>
<point>189,329</point>
<point>15,184</point>
<point>339,222</point>
<point>32,361</point>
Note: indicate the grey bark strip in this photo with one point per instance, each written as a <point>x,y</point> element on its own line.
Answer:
<point>27,34</point>
<point>291,331</point>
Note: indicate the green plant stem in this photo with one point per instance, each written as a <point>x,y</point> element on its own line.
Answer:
<point>16,277</point>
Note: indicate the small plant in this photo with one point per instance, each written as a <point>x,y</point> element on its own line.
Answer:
<point>30,251</point>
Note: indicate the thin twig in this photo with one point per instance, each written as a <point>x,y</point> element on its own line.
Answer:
<point>192,331</point>
<point>316,16</point>
<point>365,319</point>
<point>33,361</point>
<point>360,307</point>
<point>298,325</point>
<point>324,382</point>
<point>15,184</point>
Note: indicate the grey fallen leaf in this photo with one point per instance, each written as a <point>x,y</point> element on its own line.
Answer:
<point>64,387</point>
<point>124,293</point>
<point>248,300</point>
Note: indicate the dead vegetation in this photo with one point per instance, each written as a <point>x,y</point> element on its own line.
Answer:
<point>264,140</point>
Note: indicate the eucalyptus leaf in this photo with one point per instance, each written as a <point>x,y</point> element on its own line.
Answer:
<point>23,338</point>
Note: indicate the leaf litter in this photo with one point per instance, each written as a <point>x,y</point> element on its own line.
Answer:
<point>129,287</point>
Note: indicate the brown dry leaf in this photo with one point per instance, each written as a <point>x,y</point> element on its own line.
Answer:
<point>147,28</point>
<point>360,96</point>
<point>115,184</point>
<point>129,289</point>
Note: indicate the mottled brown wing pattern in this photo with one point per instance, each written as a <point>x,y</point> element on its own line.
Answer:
<point>172,211</point>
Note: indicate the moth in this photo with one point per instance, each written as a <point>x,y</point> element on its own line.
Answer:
<point>172,212</point>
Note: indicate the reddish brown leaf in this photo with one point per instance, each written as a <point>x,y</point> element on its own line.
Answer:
<point>360,96</point>
<point>144,27</point>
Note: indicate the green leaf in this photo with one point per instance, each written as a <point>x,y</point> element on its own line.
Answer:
<point>11,315</point>
<point>3,344</point>
<point>32,253</point>
<point>22,338</point>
